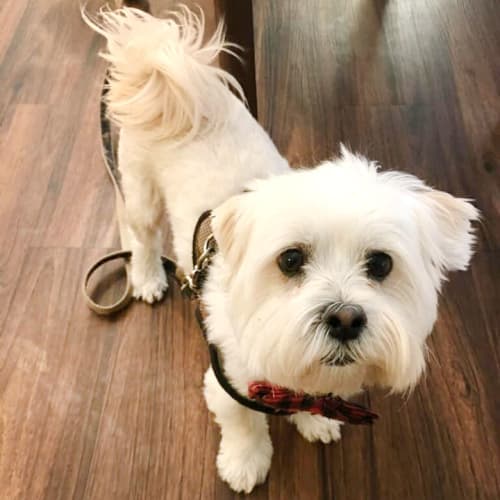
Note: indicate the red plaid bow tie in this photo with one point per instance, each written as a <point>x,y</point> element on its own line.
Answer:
<point>329,406</point>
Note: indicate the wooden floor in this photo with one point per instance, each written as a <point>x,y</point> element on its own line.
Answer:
<point>112,409</point>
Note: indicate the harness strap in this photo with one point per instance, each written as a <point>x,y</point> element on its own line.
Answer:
<point>221,376</point>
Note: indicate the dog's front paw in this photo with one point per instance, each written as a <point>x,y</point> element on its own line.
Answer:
<point>243,464</point>
<point>149,289</point>
<point>317,428</point>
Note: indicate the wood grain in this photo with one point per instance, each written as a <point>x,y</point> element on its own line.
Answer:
<point>94,408</point>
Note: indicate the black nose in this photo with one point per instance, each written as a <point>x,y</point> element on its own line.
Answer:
<point>347,322</point>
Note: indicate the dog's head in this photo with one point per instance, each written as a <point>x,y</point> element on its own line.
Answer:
<point>332,274</point>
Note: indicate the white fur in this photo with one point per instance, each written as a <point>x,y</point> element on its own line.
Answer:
<point>188,144</point>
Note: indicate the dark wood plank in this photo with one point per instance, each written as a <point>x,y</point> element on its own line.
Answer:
<point>238,18</point>
<point>402,82</point>
<point>54,363</point>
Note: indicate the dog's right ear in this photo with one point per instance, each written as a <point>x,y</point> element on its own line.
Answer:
<point>231,228</point>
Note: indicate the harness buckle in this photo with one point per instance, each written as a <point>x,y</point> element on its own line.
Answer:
<point>192,283</point>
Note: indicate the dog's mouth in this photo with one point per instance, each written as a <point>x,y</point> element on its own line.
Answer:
<point>343,361</point>
<point>338,359</point>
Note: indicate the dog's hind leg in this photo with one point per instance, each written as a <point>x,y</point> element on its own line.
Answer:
<point>143,216</point>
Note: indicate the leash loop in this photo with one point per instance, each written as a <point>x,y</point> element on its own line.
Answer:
<point>124,300</point>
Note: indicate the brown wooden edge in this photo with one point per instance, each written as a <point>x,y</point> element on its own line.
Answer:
<point>238,16</point>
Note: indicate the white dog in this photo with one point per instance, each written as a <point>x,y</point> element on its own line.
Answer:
<point>326,279</point>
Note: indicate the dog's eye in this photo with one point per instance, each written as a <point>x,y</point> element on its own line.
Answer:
<point>378,265</point>
<point>291,261</point>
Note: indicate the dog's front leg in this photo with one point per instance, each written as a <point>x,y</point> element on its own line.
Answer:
<point>245,450</point>
<point>316,428</point>
<point>143,215</point>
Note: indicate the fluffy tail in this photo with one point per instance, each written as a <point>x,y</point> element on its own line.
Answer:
<point>162,81</point>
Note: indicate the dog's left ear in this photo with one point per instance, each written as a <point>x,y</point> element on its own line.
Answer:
<point>445,223</point>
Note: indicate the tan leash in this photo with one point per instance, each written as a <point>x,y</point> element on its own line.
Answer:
<point>124,300</point>
<point>108,154</point>
<point>109,157</point>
